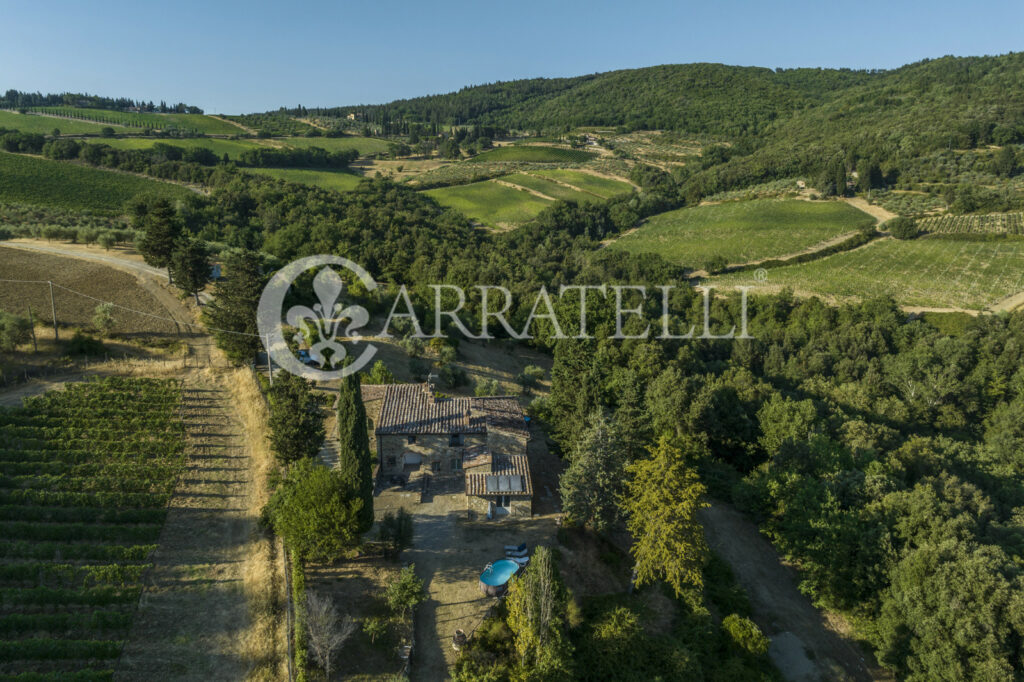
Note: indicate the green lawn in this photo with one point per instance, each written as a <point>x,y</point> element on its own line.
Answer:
<point>742,231</point>
<point>363,145</point>
<point>31,180</point>
<point>549,188</point>
<point>34,123</point>
<point>340,181</point>
<point>921,272</point>
<point>233,148</point>
<point>490,203</point>
<point>603,187</point>
<point>536,154</point>
<point>198,122</point>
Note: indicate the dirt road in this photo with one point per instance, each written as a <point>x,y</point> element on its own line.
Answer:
<point>806,643</point>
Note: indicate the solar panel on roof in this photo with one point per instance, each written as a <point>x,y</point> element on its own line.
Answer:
<point>503,484</point>
<point>491,483</point>
<point>516,484</point>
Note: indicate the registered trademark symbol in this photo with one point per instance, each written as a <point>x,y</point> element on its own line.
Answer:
<point>760,274</point>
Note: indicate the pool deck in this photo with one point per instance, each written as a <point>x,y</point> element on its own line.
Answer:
<point>450,552</point>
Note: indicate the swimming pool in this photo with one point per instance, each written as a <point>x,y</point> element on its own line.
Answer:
<point>498,573</point>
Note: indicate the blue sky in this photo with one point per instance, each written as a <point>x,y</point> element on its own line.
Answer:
<point>229,57</point>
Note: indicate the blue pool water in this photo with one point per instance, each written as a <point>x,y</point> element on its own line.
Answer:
<point>499,572</point>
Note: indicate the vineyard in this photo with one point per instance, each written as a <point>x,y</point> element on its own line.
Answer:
<point>920,272</point>
<point>339,181</point>
<point>85,478</point>
<point>189,123</point>
<point>487,202</point>
<point>30,180</point>
<point>992,223</point>
<point>742,231</point>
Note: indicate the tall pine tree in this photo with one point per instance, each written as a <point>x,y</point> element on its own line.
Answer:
<point>354,459</point>
<point>161,227</point>
<point>190,265</point>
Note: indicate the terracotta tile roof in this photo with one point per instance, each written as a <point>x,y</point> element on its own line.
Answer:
<point>502,465</point>
<point>500,412</point>
<point>413,409</point>
<point>371,392</point>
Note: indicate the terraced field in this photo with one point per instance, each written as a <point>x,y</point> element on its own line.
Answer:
<point>31,180</point>
<point>742,231</point>
<point>85,478</point>
<point>922,272</point>
<point>32,123</point>
<point>195,122</point>
<point>490,203</point>
<point>534,153</point>
<point>340,181</point>
<point>587,182</point>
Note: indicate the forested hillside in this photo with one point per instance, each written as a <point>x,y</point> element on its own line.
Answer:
<point>974,94</point>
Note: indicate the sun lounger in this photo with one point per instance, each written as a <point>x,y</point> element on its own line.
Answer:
<point>522,561</point>
<point>515,548</point>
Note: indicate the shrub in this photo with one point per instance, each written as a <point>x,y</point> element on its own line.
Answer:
<point>406,592</point>
<point>745,634</point>
<point>14,331</point>
<point>486,387</point>
<point>83,344</point>
<point>902,227</point>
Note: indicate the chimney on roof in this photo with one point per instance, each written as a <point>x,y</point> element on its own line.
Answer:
<point>431,384</point>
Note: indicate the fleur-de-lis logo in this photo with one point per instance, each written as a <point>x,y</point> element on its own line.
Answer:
<point>326,318</point>
<point>323,327</point>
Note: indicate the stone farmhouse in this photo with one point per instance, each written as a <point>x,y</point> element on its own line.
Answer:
<point>471,446</point>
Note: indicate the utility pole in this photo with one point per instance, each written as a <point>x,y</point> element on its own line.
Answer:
<point>270,364</point>
<point>53,311</point>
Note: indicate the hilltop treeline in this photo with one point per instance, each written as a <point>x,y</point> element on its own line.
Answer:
<point>15,99</point>
<point>962,101</point>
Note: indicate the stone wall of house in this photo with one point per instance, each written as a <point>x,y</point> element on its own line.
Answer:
<point>431,448</point>
<point>522,506</point>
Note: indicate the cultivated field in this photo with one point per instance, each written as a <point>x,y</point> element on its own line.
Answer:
<point>536,154</point>
<point>85,478</point>
<point>490,203</point>
<point>922,272</point>
<point>340,181</point>
<point>92,279</point>
<point>32,123</point>
<point>742,231</point>
<point>363,145</point>
<point>199,123</point>
<point>32,180</point>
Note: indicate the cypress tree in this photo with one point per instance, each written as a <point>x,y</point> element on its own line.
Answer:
<point>354,459</point>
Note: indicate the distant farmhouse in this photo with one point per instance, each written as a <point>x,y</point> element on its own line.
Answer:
<point>477,444</point>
